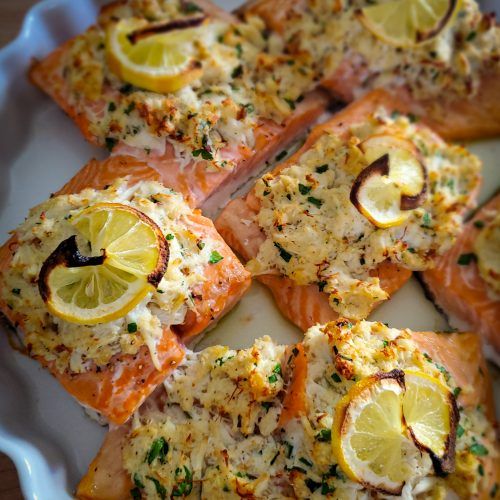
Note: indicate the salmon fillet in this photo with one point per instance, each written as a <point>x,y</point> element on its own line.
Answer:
<point>305,305</point>
<point>452,116</point>
<point>460,291</point>
<point>459,353</point>
<point>119,388</point>
<point>193,180</point>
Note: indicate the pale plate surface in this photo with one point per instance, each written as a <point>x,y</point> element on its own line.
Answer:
<point>41,427</point>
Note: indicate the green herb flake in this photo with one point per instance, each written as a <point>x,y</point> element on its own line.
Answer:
<point>283,253</point>
<point>190,8</point>
<point>215,257</point>
<point>385,343</point>
<point>471,36</point>
<point>304,189</point>
<point>412,118</point>
<point>185,487</point>
<point>457,391</point>
<point>336,378</point>
<point>289,449</point>
<point>322,169</point>
<point>480,469</point>
<point>160,489</point>
<point>137,481</point>
<point>266,405</point>
<point>305,461</point>
<point>239,50</point>
<point>494,491</point>
<point>411,250</point>
<point>132,327</point>
<point>249,107</point>
<point>204,153</point>
<point>16,291</point>
<point>129,108</point>
<point>426,220</point>
<point>110,143</point>
<point>479,224</point>
<point>277,369</point>
<point>478,449</point>
<point>465,259</point>
<point>200,244</point>
<point>315,201</point>
<point>159,450</point>
<point>324,435</point>
<point>237,72</point>
<point>460,431</point>
<point>273,378</point>
<point>170,237</point>
<point>126,89</point>
<point>111,106</point>
<point>290,103</point>
<point>311,484</point>
<point>321,285</point>
<point>326,488</point>
<point>135,493</point>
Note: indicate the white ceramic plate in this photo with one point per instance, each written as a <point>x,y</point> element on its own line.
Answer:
<point>41,427</point>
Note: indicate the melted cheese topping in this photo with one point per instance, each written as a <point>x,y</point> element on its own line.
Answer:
<point>73,346</point>
<point>314,234</point>
<point>452,61</point>
<point>487,249</point>
<point>244,81</point>
<point>218,426</point>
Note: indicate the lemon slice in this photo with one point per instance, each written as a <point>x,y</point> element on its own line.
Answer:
<point>143,55</point>
<point>127,258</point>
<point>377,196</point>
<point>406,23</point>
<point>431,415</point>
<point>368,435</point>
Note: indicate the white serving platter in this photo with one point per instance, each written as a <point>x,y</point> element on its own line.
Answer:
<point>42,428</point>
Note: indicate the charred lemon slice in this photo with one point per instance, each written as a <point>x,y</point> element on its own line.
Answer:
<point>431,415</point>
<point>406,169</point>
<point>406,23</point>
<point>160,58</point>
<point>368,435</point>
<point>125,258</point>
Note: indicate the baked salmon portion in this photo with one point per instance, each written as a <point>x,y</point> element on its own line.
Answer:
<point>107,280</point>
<point>447,76</point>
<point>184,87</point>
<point>262,422</point>
<point>342,224</point>
<point>465,283</point>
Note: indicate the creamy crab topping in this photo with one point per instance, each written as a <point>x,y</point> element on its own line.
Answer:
<point>243,82</point>
<point>315,234</point>
<point>451,62</point>
<point>77,347</point>
<point>218,430</point>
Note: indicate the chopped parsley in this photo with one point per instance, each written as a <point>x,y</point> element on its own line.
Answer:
<point>205,154</point>
<point>111,106</point>
<point>221,361</point>
<point>322,168</point>
<point>480,469</point>
<point>479,224</point>
<point>277,369</point>
<point>137,481</point>
<point>169,236</point>
<point>312,485</point>
<point>315,201</point>
<point>273,378</point>
<point>266,405</point>
<point>471,36</point>
<point>239,50</point>
<point>412,118</point>
<point>16,291</point>
<point>411,250</point>
<point>324,435</point>
<point>336,378</point>
<point>283,253</point>
<point>249,107</point>
<point>457,391</point>
<point>135,493</point>
<point>110,143</point>
<point>321,285</point>
<point>129,108</point>
<point>237,72</point>
<point>215,257</point>
<point>465,259</point>
<point>478,449</point>
<point>305,461</point>
<point>426,220</point>
<point>160,489</point>
<point>290,102</point>
<point>184,488</point>
<point>200,244</point>
<point>289,449</point>
<point>159,450</point>
<point>304,189</point>
<point>132,327</point>
<point>190,8</point>
<point>326,488</point>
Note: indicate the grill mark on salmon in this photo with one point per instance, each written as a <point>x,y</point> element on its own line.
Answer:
<point>460,291</point>
<point>117,389</point>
